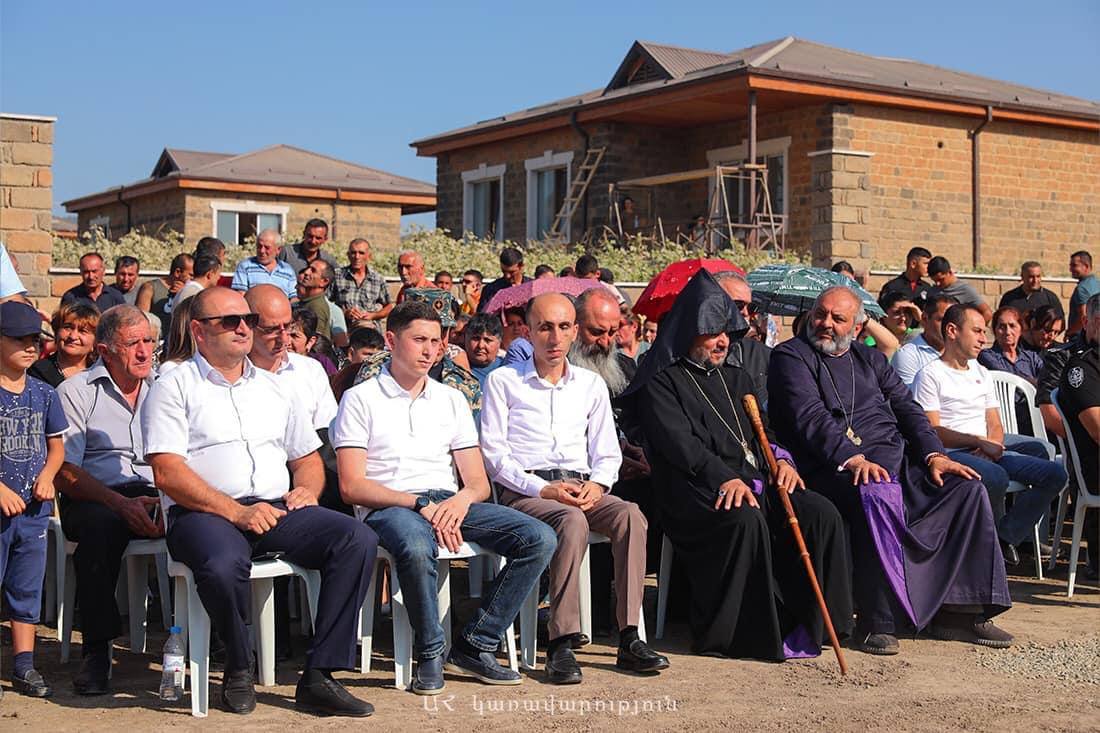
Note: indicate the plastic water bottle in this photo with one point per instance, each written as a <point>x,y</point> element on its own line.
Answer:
<point>171,680</point>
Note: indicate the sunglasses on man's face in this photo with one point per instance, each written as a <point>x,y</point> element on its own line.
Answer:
<point>233,321</point>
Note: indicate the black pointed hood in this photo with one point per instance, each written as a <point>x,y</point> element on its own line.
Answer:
<point>702,307</point>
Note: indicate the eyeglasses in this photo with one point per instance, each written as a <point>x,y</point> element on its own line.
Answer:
<point>233,321</point>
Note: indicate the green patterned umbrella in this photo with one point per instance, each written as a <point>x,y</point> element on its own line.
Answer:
<point>787,290</point>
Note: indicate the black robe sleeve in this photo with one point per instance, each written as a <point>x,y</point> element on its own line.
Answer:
<point>669,433</point>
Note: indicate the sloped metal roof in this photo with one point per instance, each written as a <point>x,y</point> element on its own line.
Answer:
<point>801,59</point>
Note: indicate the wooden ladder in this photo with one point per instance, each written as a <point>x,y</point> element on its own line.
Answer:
<point>577,187</point>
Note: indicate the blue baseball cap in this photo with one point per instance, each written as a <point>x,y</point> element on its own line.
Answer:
<point>18,320</point>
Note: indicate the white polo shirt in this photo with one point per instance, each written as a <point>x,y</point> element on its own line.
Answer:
<point>304,379</point>
<point>237,437</point>
<point>408,441</point>
<point>527,424</point>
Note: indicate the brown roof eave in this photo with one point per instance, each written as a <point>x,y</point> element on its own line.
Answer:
<point>944,102</point>
<point>343,193</point>
<point>443,142</point>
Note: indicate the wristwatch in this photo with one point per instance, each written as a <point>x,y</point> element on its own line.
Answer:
<point>422,503</point>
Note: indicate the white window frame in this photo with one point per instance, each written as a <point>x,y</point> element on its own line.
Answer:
<point>738,153</point>
<point>481,174</point>
<point>548,160</point>
<point>246,207</point>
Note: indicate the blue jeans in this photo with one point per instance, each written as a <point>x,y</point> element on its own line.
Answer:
<point>526,543</point>
<point>1024,460</point>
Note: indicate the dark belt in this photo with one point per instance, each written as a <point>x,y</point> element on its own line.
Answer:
<point>559,474</point>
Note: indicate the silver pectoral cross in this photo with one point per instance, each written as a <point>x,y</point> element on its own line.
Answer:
<point>851,435</point>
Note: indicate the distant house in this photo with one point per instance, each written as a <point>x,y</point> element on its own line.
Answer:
<point>233,197</point>
<point>864,156</point>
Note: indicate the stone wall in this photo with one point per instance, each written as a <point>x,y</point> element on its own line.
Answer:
<point>1040,188</point>
<point>26,198</point>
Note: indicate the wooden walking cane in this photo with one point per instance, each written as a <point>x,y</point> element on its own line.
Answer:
<point>749,401</point>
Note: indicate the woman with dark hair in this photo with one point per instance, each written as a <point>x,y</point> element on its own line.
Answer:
<point>74,327</point>
<point>1008,355</point>
<point>1042,326</point>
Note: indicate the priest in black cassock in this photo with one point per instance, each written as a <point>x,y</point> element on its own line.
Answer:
<point>750,596</point>
<point>924,545</point>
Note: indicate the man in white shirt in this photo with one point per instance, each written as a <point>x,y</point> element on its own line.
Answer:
<point>550,443</point>
<point>399,438</point>
<point>303,378</point>
<point>957,394</point>
<point>221,435</point>
<point>927,347</point>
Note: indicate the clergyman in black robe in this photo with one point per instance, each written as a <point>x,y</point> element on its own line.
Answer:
<point>924,545</point>
<point>749,593</point>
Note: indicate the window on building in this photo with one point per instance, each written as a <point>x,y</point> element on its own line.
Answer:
<point>103,223</point>
<point>547,187</point>
<point>550,187</point>
<point>483,201</point>
<point>486,207</point>
<point>240,222</point>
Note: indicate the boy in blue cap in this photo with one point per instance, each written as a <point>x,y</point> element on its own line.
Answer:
<point>31,452</point>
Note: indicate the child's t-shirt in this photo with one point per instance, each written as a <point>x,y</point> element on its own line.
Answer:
<point>26,420</point>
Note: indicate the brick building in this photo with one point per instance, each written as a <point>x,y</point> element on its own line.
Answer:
<point>233,197</point>
<point>865,156</point>
<point>26,196</point>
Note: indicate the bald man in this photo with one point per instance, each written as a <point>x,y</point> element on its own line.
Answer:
<point>549,440</point>
<point>304,378</point>
<point>924,543</point>
<point>410,268</point>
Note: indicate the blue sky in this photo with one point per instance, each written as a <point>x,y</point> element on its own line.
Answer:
<point>360,80</point>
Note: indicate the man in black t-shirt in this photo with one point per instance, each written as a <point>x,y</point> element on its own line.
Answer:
<point>911,282</point>
<point>1031,294</point>
<point>1079,398</point>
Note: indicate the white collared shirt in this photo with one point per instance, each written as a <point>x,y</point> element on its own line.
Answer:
<point>304,379</point>
<point>408,441</point>
<point>527,423</point>
<point>104,435</point>
<point>237,437</point>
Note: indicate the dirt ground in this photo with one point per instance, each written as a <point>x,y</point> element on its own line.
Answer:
<point>930,686</point>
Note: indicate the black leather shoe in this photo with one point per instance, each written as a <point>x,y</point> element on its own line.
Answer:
<point>428,679</point>
<point>638,657</point>
<point>31,684</point>
<point>482,665</point>
<point>92,679</point>
<point>319,694</point>
<point>239,692</point>
<point>562,667</point>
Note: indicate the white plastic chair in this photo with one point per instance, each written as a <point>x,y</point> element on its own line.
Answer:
<point>402,629</point>
<point>663,576</point>
<point>194,622</point>
<point>1086,498</point>
<point>529,612</point>
<point>1005,386</point>
<point>136,557</point>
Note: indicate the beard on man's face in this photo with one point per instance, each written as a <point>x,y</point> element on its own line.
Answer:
<point>602,361</point>
<point>832,346</point>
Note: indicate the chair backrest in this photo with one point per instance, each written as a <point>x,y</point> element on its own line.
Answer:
<point>1005,386</point>
<point>1069,446</point>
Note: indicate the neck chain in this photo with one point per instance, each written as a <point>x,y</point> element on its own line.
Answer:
<point>848,417</point>
<point>739,435</point>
